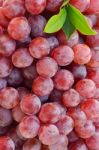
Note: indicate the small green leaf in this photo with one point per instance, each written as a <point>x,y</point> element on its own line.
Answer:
<point>56,22</point>
<point>79,21</point>
<point>65,3</point>
<point>68,28</point>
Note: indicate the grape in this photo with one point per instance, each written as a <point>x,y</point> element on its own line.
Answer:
<point>63,79</point>
<point>93,141</point>
<point>63,55</point>
<point>72,136</point>
<point>13,135</point>
<point>94,62</point>
<point>15,77</point>
<point>19,28</point>
<point>78,116</point>
<point>49,113</point>
<point>65,125</point>
<point>53,5</point>
<point>86,88</point>
<point>72,41</point>
<point>42,86</point>
<point>61,37</point>
<point>35,6</point>
<point>39,47</point>
<point>71,98</point>
<point>17,113</point>
<point>13,8</point>
<point>21,58</point>
<point>6,143</point>
<point>86,130</point>
<point>9,97</point>
<point>56,95</point>
<point>61,144</point>
<point>5,67</point>
<point>32,144</point>
<point>37,24</point>
<point>93,19</point>
<point>79,71</point>
<point>3,83</point>
<point>91,108</point>
<point>82,54</point>
<point>29,127</point>
<point>53,42</point>
<point>44,99</point>
<point>7,45</point>
<point>78,145</point>
<point>30,104</point>
<point>93,7</point>
<point>94,75</point>
<point>82,5</point>
<point>48,134</point>
<point>93,41</point>
<point>3,20</point>
<point>47,67</point>
<point>22,91</point>
<point>5,117</point>
<point>30,72</point>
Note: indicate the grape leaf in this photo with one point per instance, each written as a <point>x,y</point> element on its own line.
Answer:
<point>56,22</point>
<point>68,28</point>
<point>79,21</point>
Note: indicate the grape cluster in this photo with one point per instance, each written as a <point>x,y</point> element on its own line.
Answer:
<point>49,84</point>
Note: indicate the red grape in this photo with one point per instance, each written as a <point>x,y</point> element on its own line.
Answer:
<point>5,67</point>
<point>30,104</point>
<point>63,79</point>
<point>65,125</point>
<point>13,8</point>
<point>71,98</point>
<point>47,67</point>
<point>19,28</point>
<point>29,127</point>
<point>21,58</point>
<point>32,144</point>
<point>49,113</point>
<point>53,5</point>
<point>86,88</point>
<point>6,143</point>
<point>42,86</point>
<point>82,54</point>
<point>37,24</point>
<point>35,6</point>
<point>5,117</point>
<point>91,108</point>
<point>49,134</point>
<point>9,97</point>
<point>17,113</point>
<point>63,55</point>
<point>15,77</point>
<point>7,45</point>
<point>61,144</point>
<point>39,47</point>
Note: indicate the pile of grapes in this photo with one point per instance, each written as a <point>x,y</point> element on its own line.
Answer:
<point>49,84</point>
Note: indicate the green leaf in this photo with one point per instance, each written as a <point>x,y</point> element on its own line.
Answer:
<point>65,3</point>
<point>68,28</point>
<point>79,21</point>
<point>56,22</point>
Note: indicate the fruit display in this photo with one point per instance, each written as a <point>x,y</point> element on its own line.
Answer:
<point>49,74</point>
